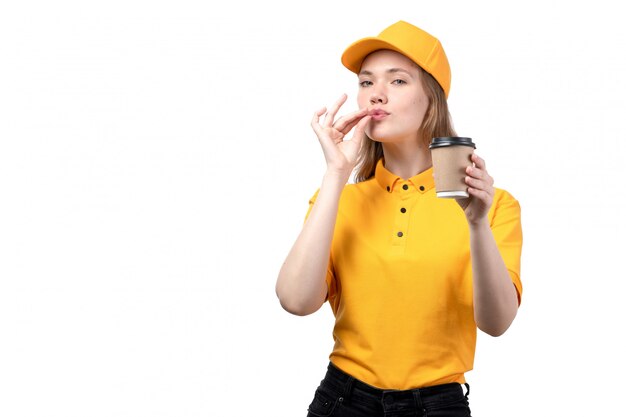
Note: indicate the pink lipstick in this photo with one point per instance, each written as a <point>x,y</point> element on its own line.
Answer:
<point>378,114</point>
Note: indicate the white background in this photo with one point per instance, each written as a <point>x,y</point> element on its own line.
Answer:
<point>156,162</point>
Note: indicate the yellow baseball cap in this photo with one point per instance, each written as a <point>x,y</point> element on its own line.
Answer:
<point>421,47</point>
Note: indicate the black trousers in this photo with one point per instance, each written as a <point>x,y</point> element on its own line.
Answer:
<point>341,395</point>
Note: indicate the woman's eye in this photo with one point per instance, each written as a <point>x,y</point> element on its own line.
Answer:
<point>365,83</point>
<point>398,82</point>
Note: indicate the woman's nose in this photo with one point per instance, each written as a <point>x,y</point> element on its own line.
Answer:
<point>378,97</point>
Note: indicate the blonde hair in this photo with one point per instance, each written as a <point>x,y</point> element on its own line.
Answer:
<point>437,122</point>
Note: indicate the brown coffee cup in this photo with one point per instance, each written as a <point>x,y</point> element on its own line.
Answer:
<point>451,156</point>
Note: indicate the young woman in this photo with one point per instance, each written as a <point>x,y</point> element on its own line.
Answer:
<point>409,276</point>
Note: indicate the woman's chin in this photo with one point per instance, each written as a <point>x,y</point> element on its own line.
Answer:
<point>375,136</point>
<point>380,135</point>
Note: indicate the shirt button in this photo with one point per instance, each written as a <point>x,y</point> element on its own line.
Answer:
<point>405,187</point>
<point>403,210</point>
<point>421,188</point>
<point>400,234</point>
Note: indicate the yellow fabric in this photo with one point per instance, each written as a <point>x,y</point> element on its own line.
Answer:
<point>403,304</point>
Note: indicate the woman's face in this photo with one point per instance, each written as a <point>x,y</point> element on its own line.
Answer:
<point>390,87</point>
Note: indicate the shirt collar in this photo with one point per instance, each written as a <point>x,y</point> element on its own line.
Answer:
<point>390,182</point>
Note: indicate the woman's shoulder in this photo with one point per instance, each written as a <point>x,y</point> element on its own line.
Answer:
<point>505,206</point>
<point>360,186</point>
<point>502,196</point>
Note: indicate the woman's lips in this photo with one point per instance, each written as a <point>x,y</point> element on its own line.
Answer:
<point>378,114</point>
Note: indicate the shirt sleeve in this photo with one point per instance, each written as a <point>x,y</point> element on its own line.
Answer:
<point>506,226</point>
<point>330,274</point>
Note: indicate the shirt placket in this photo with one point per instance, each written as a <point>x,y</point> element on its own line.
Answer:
<point>405,193</point>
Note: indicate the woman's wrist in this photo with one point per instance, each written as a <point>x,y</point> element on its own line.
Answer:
<point>479,225</point>
<point>336,176</point>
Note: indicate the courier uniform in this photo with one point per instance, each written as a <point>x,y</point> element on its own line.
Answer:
<point>400,280</point>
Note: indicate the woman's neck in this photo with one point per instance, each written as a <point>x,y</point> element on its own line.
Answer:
<point>406,159</point>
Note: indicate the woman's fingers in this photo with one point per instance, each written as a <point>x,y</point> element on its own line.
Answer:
<point>315,122</point>
<point>347,122</point>
<point>479,162</point>
<point>330,116</point>
<point>477,173</point>
<point>343,125</point>
<point>316,116</point>
<point>320,113</point>
<point>479,184</point>
<point>479,170</point>
<point>480,194</point>
<point>359,130</point>
<point>478,179</point>
<point>480,188</point>
<point>330,133</point>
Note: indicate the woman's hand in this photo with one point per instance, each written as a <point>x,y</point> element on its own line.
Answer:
<point>341,155</point>
<point>480,189</point>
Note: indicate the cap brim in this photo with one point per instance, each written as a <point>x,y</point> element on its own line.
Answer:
<point>353,56</point>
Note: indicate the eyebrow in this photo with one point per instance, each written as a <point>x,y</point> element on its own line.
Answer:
<point>389,71</point>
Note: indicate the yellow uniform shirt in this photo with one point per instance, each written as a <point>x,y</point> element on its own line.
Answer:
<point>400,280</point>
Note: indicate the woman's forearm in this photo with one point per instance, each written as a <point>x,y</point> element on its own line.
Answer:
<point>495,296</point>
<point>301,284</point>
